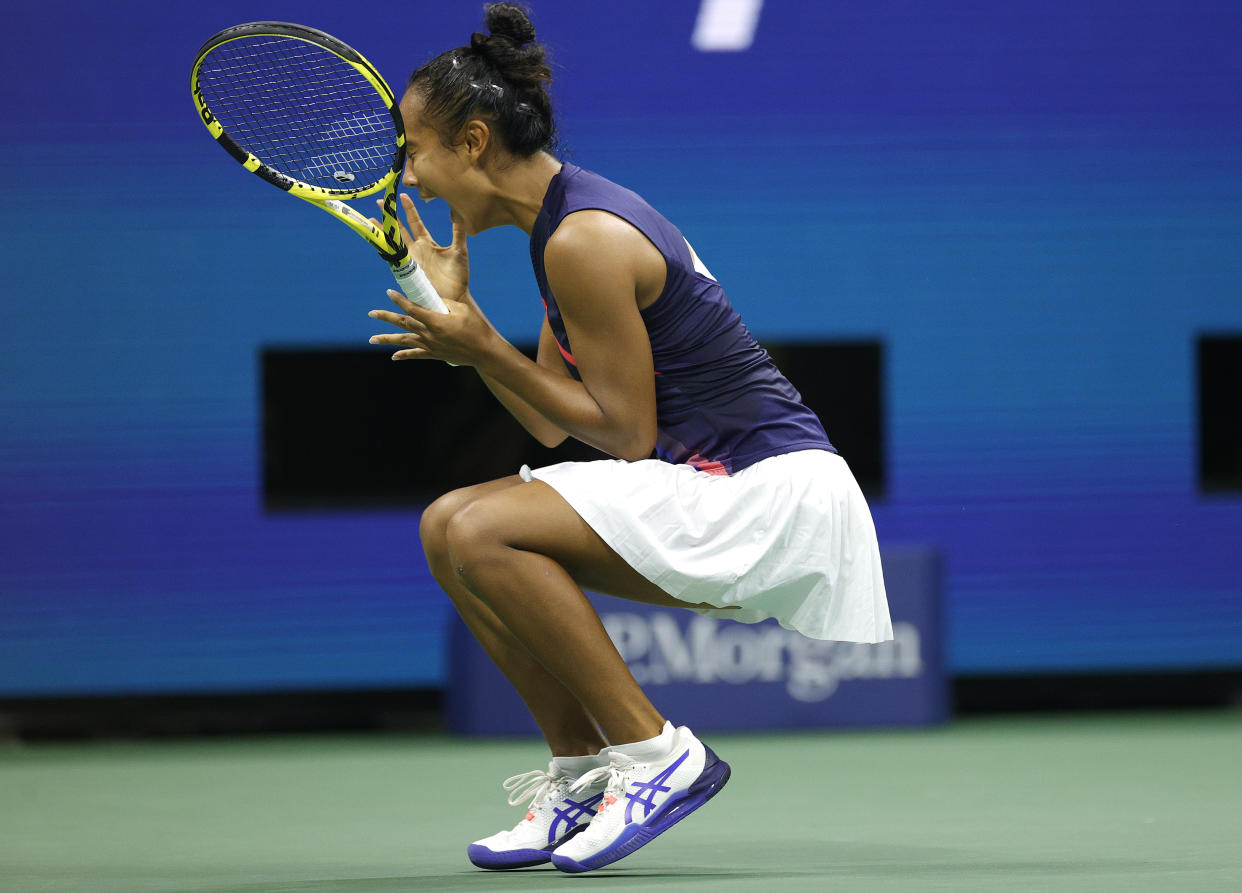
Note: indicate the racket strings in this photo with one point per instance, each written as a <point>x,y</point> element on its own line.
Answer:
<point>301,110</point>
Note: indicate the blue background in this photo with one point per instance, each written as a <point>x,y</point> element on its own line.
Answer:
<point>1036,206</point>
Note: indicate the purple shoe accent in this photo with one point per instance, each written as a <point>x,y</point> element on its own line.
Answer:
<point>647,790</point>
<point>576,816</point>
<point>494,861</point>
<point>483,857</point>
<point>713,777</point>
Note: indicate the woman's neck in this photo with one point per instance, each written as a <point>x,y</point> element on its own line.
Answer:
<point>520,189</point>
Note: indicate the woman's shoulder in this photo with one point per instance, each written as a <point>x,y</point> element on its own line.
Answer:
<point>596,238</point>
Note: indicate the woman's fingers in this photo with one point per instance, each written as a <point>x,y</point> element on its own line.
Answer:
<point>401,227</point>
<point>413,221</point>
<point>459,236</point>
<point>409,343</point>
<point>403,320</point>
<point>406,339</point>
<point>401,301</point>
<point>420,325</point>
<point>413,354</point>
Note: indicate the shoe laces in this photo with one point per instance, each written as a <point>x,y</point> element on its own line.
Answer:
<point>533,787</point>
<point>616,773</point>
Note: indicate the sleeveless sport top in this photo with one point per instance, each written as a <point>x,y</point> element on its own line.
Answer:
<point>721,403</point>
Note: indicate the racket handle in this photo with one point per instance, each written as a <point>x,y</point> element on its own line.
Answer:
<point>417,286</point>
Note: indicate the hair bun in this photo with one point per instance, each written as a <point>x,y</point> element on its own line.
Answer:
<point>501,77</point>
<point>509,21</point>
<point>510,50</point>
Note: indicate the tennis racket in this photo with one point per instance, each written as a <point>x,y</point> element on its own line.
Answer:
<point>310,115</point>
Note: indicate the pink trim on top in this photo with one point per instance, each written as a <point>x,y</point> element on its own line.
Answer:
<point>707,466</point>
<point>569,358</point>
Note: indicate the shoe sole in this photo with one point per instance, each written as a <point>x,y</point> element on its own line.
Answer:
<point>482,857</point>
<point>713,777</point>
<point>501,860</point>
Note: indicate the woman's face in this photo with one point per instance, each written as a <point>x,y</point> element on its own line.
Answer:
<point>438,171</point>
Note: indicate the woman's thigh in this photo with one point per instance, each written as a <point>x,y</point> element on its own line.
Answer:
<point>533,517</point>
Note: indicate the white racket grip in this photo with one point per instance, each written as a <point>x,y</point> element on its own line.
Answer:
<point>418,287</point>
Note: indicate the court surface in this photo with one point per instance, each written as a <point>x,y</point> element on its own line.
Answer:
<point>1135,802</point>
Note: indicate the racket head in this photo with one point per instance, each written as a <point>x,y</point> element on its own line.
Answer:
<point>300,108</point>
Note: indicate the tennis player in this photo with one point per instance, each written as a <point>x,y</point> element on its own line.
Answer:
<point>748,512</point>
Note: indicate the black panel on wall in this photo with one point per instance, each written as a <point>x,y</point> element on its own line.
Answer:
<point>1220,412</point>
<point>352,428</point>
<point>349,428</point>
<point>843,381</point>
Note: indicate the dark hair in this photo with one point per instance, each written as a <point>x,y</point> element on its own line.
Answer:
<point>502,77</point>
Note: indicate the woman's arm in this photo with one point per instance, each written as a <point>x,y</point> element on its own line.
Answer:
<point>532,420</point>
<point>596,265</point>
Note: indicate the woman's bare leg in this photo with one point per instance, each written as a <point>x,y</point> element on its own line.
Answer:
<point>568,727</point>
<point>520,550</point>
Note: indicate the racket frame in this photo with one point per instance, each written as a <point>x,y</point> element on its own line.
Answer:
<point>387,241</point>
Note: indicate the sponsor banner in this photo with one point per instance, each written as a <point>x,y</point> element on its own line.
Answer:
<point>717,674</point>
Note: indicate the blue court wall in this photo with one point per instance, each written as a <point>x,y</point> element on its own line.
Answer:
<point>1034,206</point>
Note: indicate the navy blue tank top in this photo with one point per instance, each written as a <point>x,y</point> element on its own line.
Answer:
<point>721,403</point>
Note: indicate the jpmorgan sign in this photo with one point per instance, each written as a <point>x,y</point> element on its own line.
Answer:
<point>717,674</point>
<point>660,650</point>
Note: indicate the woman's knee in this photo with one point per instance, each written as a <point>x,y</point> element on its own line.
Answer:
<point>474,539</point>
<point>433,527</point>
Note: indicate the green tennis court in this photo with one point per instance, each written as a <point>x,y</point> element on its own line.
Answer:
<point>1130,802</point>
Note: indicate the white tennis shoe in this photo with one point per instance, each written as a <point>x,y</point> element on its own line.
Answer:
<point>552,818</point>
<point>642,799</point>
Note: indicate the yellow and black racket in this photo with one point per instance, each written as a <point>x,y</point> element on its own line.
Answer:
<point>309,114</point>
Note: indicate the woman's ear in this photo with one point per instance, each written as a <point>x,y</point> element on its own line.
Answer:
<point>476,138</point>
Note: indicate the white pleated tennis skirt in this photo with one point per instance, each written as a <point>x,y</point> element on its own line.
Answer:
<point>789,537</point>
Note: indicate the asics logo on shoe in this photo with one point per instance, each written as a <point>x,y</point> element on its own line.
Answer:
<point>572,813</point>
<point>668,789</point>
<point>645,791</point>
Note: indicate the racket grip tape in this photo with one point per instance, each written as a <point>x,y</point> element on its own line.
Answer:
<point>417,286</point>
